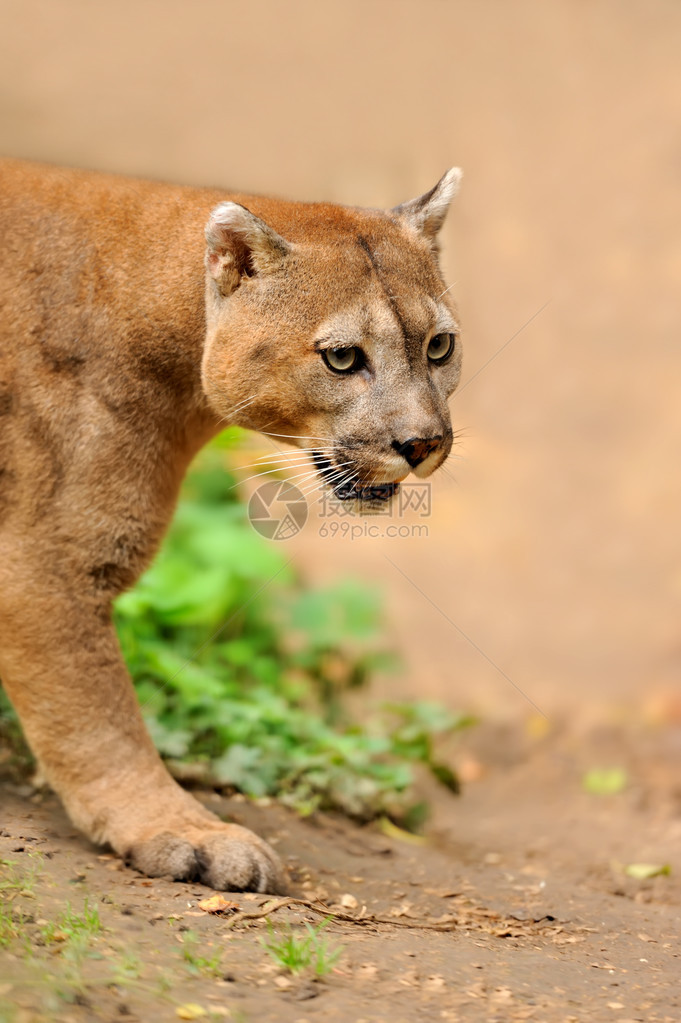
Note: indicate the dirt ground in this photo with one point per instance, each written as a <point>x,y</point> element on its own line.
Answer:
<point>517,908</point>
<point>542,593</point>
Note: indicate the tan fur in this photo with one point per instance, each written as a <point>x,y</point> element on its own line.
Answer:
<point>134,318</point>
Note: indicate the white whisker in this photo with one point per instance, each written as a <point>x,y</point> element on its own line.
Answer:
<point>282,469</point>
<point>334,479</point>
<point>239,407</point>
<point>295,436</point>
<point>295,454</point>
<point>276,464</point>
<point>307,477</point>
<point>266,472</point>
<point>445,470</point>
<point>278,467</point>
<point>445,291</point>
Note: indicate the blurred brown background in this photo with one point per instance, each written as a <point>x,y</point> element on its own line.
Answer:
<point>557,553</point>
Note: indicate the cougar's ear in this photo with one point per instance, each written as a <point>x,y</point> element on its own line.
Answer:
<point>239,244</point>
<point>427,213</point>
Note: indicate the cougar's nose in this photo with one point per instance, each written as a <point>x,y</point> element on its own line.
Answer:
<point>416,449</point>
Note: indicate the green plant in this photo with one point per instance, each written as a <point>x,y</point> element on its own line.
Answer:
<point>71,934</point>
<point>17,760</point>
<point>9,925</point>
<point>196,963</point>
<point>296,952</point>
<point>164,983</point>
<point>18,879</point>
<point>128,967</point>
<point>242,672</point>
<point>75,929</point>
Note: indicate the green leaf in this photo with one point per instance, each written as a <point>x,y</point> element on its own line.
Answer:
<point>606,781</point>
<point>643,871</point>
<point>447,777</point>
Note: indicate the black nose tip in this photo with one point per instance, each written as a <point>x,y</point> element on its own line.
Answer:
<point>417,449</point>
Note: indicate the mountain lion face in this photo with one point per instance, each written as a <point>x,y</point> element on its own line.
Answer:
<point>340,338</point>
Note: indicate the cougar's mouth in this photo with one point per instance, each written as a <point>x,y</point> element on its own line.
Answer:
<point>347,488</point>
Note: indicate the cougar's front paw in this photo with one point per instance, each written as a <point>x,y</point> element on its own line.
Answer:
<point>230,858</point>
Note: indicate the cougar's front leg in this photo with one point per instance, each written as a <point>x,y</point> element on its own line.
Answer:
<point>62,668</point>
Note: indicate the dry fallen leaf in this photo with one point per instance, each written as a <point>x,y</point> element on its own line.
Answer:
<point>392,831</point>
<point>405,909</point>
<point>218,904</point>
<point>642,871</point>
<point>190,1011</point>
<point>410,978</point>
<point>283,982</point>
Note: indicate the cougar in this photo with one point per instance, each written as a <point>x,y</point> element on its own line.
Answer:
<point>138,319</point>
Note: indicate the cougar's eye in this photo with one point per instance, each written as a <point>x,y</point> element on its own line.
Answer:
<point>343,360</point>
<point>441,347</point>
